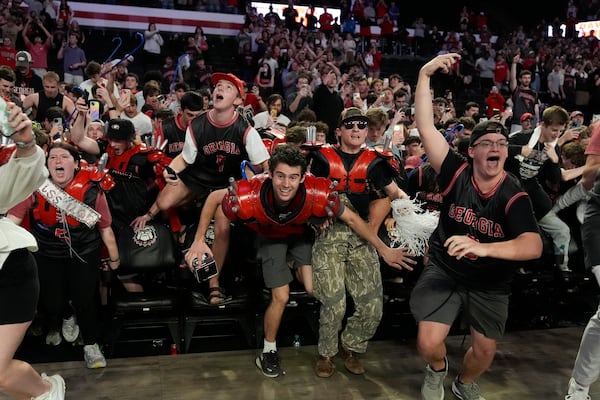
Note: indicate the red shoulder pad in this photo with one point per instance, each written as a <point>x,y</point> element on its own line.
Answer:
<point>6,152</point>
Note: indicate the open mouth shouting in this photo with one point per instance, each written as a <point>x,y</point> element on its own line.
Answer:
<point>493,161</point>
<point>59,171</point>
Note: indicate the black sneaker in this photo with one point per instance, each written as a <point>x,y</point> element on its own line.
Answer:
<point>268,363</point>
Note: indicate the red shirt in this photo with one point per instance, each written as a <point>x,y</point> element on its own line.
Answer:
<point>494,100</point>
<point>593,146</point>
<point>501,71</point>
<point>325,21</point>
<point>39,55</point>
<point>381,9</point>
<point>252,101</point>
<point>387,27</point>
<point>8,56</point>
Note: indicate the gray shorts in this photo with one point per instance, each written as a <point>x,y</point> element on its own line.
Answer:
<point>274,255</point>
<point>439,298</point>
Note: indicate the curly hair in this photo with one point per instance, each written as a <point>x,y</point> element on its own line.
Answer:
<point>287,154</point>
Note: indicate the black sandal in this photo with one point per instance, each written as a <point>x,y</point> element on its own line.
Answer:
<point>218,293</point>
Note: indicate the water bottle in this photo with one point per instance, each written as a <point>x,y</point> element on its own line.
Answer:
<point>296,342</point>
<point>5,127</point>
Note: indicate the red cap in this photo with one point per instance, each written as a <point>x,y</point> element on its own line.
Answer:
<point>239,84</point>
<point>412,162</point>
<point>526,116</point>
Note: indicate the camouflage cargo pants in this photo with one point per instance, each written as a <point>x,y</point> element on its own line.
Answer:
<point>342,261</point>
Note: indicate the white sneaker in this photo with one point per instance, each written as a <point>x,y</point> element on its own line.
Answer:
<point>70,329</point>
<point>93,356</point>
<point>53,338</point>
<point>577,392</point>
<point>57,388</point>
<point>578,396</point>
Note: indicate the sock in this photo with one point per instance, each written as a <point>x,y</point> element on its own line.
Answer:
<point>269,346</point>
<point>439,370</point>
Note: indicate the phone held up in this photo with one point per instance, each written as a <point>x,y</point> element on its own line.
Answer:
<point>94,109</point>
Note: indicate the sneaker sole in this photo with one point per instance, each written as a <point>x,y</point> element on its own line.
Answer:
<point>61,385</point>
<point>457,394</point>
<point>267,374</point>
<point>53,343</point>
<point>97,365</point>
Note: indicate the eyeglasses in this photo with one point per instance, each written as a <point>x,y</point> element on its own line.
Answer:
<point>486,144</point>
<point>359,124</point>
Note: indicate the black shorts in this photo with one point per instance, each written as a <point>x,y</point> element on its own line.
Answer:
<point>274,255</point>
<point>199,191</point>
<point>439,298</point>
<point>19,288</point>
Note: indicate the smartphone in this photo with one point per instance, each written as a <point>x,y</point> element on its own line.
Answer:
<point>94,109</point>
<point>160,97</point>
<point>57,122</point>
<point>204,270</point>
<point>171,172</point>
<point>356,95</point>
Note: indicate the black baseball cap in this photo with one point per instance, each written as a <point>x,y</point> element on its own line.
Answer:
<point>483,128</point>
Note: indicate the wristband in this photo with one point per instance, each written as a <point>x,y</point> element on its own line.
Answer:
<point>117,260</point>
<point>149,213</point>
<point>25,145</point>
<point>112,108</point>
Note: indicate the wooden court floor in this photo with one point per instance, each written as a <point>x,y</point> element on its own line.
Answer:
<point>529,365</point>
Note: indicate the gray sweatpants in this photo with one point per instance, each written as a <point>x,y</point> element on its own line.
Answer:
<point>587,364</point>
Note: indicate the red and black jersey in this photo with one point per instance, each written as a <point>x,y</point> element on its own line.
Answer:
<point>172,130</point>
<point>221,150</point>
<point>500,214</point>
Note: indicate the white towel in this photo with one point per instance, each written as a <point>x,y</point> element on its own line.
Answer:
<point>535,137</point>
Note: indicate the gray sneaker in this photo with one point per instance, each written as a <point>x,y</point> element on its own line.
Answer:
<point>53,338</point>
<point>466,391</point>
<point>93,356</point>
<point>433,385</point>
<point>70,329</point>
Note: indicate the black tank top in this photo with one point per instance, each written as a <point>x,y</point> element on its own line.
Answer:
<point>45,103</point>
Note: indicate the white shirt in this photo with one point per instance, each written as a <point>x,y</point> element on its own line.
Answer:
<point>153,42</point>
<point>141,122</point>
<point>20,177</point>
<point>261,119</point>
<point>257,152</point>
